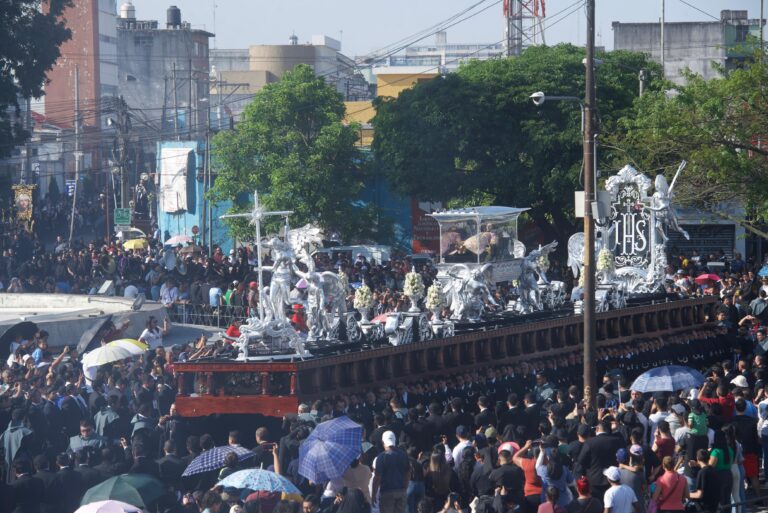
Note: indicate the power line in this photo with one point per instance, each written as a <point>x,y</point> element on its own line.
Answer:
<point>701,11</point>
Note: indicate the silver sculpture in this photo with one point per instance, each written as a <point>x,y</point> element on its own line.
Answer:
<point>468,291</point>
<point>635,235</point>
<point>531,276</point>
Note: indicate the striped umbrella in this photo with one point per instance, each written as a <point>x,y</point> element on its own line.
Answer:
<point>135,347</point>
<point>669,378</point>
<point>257,479</point>
<point>329,449</point>
<point>214,459</point>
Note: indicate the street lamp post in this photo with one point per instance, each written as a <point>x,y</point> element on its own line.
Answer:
<point>588,302</point>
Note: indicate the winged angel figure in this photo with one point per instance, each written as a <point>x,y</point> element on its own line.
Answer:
<point>467,291</point>
<point>531,273</point>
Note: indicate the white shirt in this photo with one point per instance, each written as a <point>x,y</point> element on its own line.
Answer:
<point>620,499</point>
<point>153,338</point>
<point>655,419</point>
<point>457,452</point>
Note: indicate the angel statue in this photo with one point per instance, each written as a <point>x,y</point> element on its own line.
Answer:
<point>661,204</point>
<point>468,291</point>
<point>282,269</point>
<point>530,274</point>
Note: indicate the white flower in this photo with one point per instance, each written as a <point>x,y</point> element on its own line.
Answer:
<point>434,296</point>
<point>605,261</point>
<point>363,297</point>
<point>414,285</point>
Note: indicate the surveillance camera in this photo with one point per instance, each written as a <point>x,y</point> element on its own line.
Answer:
<point>538,98</point>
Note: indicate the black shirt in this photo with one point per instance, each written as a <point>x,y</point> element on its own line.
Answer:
<point>708,482</point>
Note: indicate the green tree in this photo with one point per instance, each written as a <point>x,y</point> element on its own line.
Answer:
<point>31,39</point>
<point>720,127</point>
<point>292,146</point>
<point>475,136</point>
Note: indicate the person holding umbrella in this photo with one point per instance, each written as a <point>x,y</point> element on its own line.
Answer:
<point>391,475</point>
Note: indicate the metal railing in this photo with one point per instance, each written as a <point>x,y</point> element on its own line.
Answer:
<point>206,315</point>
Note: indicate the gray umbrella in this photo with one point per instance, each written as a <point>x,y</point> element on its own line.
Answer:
<point>8,332</point>
<point>92,333</point>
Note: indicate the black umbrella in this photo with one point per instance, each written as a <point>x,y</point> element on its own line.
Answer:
<point>91,334</point>
<point>26,329</point>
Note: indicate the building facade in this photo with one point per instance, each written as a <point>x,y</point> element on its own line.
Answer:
<point>697,46</point>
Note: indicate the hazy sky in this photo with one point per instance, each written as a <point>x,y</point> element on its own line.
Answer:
<point>365,25</point>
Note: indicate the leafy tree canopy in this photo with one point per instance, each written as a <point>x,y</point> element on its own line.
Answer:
<point>292,146</point>
<point>31,39</point>
<point>475,136</point>
<point>720,127</point>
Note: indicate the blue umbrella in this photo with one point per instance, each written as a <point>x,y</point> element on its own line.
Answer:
<point>257,479</point>
<point>214,459</point>
<point>329,449</point>
<point>763,272</point>
<point>669,378</point>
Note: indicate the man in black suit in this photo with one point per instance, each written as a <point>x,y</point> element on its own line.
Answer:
<point>107,467</point>
<point>71,410</point>
<point>50,500</point>
<point>171,466</point>
<point>530,416</point>
<point>142,464</point>
<point>599,453</point>
<point>420,433</point>
<point>486,417</point>
<point>458,417</point>
<point>513,415</point>
<point>437,422</point>
<point>84,458</point>
<point>27,489</point>
<point>69,483</point>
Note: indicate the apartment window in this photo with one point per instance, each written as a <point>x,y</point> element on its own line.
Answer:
<point>742,32</point>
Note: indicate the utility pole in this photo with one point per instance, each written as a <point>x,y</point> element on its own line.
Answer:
<point>120,147</point>
<point>663,10</point>
<point>189,105</point>
<point>762,40</point>
<point>25,175</point>
<point>78,155</point>
<point>175,105</point>
<point>642,76</point>
<point>589,199</point>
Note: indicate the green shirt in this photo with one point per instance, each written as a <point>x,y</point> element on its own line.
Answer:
<point>721,464</point>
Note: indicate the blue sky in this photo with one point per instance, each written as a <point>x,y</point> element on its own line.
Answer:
<point>364,25</point>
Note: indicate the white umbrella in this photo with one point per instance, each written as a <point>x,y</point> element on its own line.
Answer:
<point>178,239</point>
<point>108,507</point>
<point>135,347</point>
<point>104,355</point>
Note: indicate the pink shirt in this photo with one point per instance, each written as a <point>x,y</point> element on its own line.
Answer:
<point>672,485</point>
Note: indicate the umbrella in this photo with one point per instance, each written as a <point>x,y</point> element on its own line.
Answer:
<point>178,239</point>
<point>26,329</point>
<point>107,507</point>
<point>132,233</point>
<point>192,248</point>
<point>135,244</point>
<point>706,277</point>
<point>763,272</point>
<point>329,449</point>
<point>89,337</point>
<point>135,347</point>
<point>214,459</point>
<point>257,479</point>
<point>669,378</point>
<point>104,355</point>
<point>140,490</point>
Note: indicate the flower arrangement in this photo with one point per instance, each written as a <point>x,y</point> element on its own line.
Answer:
<point>434,296</point>
<point>363,297</point>
<point>605,261</point>
<point>343,281</point>
<point>414,285</point>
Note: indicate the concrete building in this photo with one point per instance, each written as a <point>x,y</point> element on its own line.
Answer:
<point>692,45</point>
<point>93,50</point>
<point>240,73</point>
<point>164,73</point>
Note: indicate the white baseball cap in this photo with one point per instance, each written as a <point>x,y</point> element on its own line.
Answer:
<point>740,381</point>
<point>613,474</point>
<point>388,439</point>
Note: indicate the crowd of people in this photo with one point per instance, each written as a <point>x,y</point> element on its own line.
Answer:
<point>508,438</point>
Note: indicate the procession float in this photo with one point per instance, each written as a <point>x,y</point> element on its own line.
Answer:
<point>275,367</point>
